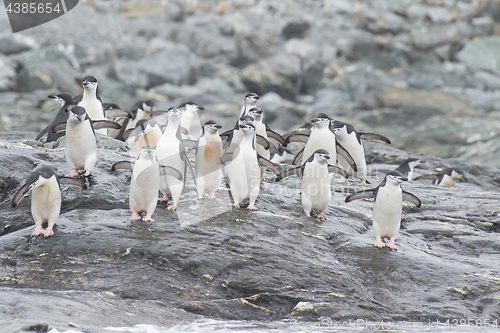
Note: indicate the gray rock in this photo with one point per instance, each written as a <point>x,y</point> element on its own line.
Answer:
<point>261,79</point>
<point>429,37</point>
<point>295,29</point>
<point>176,65</point>
<point>7,73</point>
<point>47,76</point>
<point>481,52</point>
<point>16,43</point>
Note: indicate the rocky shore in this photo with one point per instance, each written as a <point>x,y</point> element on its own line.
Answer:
<point>422,73</point>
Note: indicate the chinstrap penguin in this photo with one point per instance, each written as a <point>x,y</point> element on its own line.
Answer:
<point>387,207</point>
<point>45,197</point>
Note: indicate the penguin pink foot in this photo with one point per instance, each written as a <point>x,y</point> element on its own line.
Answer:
<point>211,195</point>
<point>379,243</point>
<point>252,207</point>
<point>72,173</point>
<point>390,244</point>
<point>148,218</point>
<point>235,205</point>
<point>48,232</point>
<point>38,230</point>
<point>164,198</point>
<point>173,206</point>
<point>135,216</point>
<point>321,215</point>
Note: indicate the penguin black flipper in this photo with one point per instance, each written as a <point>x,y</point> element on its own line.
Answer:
<point>167,170</point>
<point>43,132</point>
<point>366,194</point>
<point>336,169</point>
<point>19,195</point>
<point>262,141</point>
<point>127,133</point>
<point>297,171</point>
<point>298,157</point>
<point>299,137</point>
<point>72,181</point>
<point>157,113</point>
<point>98,124</point>
<point>118,113</point>
<point>268,164</point>
<point>374,137</point>
<point>122,165</point>
<point>429,177</point>
<point>345,154</point>
<point>59,127</point>
<point>190,143</point>
<point>188,163</point>
<point>226,158</point>
<point>276,136</point>
<point>407,196</point>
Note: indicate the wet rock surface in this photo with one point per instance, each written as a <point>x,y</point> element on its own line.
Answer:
<point>207,259</point>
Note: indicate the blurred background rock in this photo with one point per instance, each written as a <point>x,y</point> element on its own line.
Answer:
<point>423,73</point>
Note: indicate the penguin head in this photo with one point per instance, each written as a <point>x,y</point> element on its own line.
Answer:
<point>245,120</point>
<point>191,107</point>
<point>148,105</point>
<point>211,127</point>
<point>148,151</point>
<point>256,113</point>
<point>458,174</point>
<point>321,120</point>
<point>62,99</point>
<point>338,127</point>
<point>89,82</point>
<point>247,128</point>
<point>251,98</point>
<point>174,112</point>
<point>321,156</point>
<point>39,177</point>
<point>395,177</point>
<point>77,113</point>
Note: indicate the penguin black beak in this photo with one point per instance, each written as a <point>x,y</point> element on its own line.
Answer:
<point>404,179</point>
<point>218,126</point>
<point>201,108</point>
<point>52,96</point>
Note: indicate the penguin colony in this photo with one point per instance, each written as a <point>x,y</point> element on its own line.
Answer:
<point>159,141</point>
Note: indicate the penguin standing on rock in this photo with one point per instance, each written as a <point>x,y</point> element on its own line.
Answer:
<point>446,177</point>
<point>91,101</point>
<point>350,139</point>
<point>81,144</point>
<point>172,153</point>
<point>316,179</point>
<point>45,198</point>
<point>66,102</point>
<point>207,161</point>
<point>243,169</point>
<point>387,207</point>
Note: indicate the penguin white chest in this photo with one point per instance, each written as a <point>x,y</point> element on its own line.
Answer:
<point>46,201</point>
<point>315,187</point>
<point>80,144</point>
<point>387,211</point>
<point>320,138</point>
